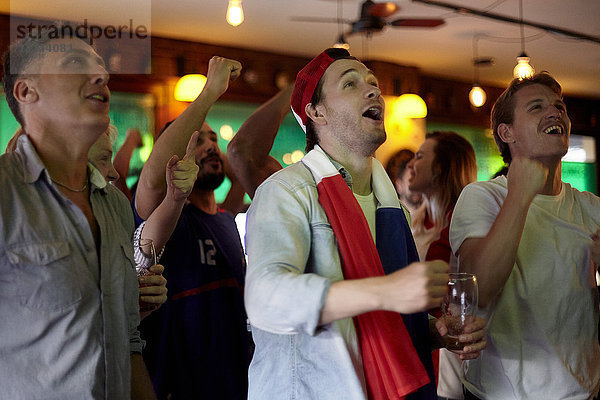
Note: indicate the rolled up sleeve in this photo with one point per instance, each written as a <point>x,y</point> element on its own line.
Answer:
<point>474,214</point>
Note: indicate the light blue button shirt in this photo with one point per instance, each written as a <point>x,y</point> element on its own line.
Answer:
<point>292,260</point>
<point>68,318</point>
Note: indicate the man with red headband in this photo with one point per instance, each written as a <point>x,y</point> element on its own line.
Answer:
<point>332,263</point>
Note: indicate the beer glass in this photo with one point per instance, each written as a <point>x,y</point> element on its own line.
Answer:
<point>145,257</point>
<point>459,307</point>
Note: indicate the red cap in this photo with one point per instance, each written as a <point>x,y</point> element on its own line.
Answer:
<point>307,80</point>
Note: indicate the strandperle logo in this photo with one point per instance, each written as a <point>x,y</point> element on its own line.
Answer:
<point>86,31</point>
<point>124,44</point>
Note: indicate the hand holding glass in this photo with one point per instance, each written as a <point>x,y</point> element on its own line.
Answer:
<point>459,307</point>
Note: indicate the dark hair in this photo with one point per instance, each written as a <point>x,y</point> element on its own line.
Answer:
<point>317,97</point>
<point>454,163</point>
<point>311,134</point>
<point>501,172</point>
<point>20,55</point>
<point>397,163</point>
<point>503,111</point>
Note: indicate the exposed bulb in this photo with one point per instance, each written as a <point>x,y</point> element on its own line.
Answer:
<point>477,96</point>
<point>235,13</point>
<point>523,69</point>
<point>341,43</point>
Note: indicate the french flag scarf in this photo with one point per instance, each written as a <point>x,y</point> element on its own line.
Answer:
<point>395,348</point>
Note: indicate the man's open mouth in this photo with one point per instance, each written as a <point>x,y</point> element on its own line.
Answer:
<point>373,113</point>
<point>553,130</point>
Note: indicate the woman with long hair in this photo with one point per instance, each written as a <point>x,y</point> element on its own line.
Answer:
<point>442,167</point>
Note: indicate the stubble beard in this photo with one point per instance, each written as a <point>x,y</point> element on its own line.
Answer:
<point>209,181</point>
<point>358,140</point>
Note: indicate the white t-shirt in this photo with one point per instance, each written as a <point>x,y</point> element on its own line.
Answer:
<point>543,327</point>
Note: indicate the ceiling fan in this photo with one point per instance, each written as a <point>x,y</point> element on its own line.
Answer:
<point>373,18</point>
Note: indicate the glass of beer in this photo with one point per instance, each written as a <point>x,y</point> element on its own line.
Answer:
<point>145,256</point>
<point>459,307</point>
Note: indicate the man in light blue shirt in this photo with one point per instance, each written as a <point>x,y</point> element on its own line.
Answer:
<point>68,287</point>
<point>299,299</point>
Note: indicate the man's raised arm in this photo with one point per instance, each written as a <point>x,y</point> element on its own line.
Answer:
<point>248,151</point>
<point>492,257</point>
<point>152,185</point>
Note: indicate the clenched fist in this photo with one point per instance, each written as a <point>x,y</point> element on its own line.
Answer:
<point>526,177</point>
<point>417,287</point>
<point>221,71</point>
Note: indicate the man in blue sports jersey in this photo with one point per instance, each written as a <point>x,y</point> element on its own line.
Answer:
<point>197,344</point>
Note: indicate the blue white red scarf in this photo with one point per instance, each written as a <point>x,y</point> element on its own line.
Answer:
<point>393,368</point>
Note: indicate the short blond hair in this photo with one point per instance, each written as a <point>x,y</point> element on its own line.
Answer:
<point>113,133</point>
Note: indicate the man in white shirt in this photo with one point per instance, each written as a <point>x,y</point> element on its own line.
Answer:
<point>532,241</point>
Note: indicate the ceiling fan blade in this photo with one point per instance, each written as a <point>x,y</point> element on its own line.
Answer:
<point>320,19</point>
<point>383,10</point>
<point>417,22</point>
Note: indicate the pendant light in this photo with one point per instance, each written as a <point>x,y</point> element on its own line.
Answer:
<point>235,13</point>
<point>189,86</point>
<point>410,105</point>
<point>523,69</point>
<point>477,95</point>
<point>341,42</point>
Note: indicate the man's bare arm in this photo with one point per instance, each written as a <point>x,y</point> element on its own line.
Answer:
<point>133,139</point>
<point>248,151</point>
<point>234,201</point>
<point>152,186</point>
<point>492,258</point>
<point>141,386</point>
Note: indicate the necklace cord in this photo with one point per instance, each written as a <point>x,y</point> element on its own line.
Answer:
<point>85,185</point>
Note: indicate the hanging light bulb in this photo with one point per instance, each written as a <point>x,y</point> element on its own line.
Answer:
<point>523,69</point>
<point>235,13</point>
<point>477,96</point>
<point>341,43</point>
<point>341,40</point>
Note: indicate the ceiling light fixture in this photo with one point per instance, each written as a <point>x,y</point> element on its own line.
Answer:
<point>341,40</point>
<point>523,69</point>
<point>341,43</point>
<point>235,13</point>
<point>410,105</point>
<point>189,86</point>
<point>477,95</point>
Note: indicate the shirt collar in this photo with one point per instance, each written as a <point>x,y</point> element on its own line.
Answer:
<point>33,168</point>
<point>96,179</point>
<point>343,171</point>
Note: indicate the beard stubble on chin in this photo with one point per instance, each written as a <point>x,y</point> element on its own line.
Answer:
<point>209,181</point>
<point>350,131</point>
